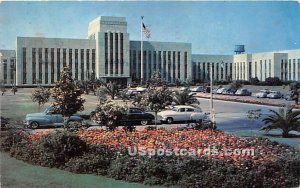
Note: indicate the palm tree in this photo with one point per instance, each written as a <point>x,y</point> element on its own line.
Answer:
<point>286,119</point>
<point>184,97</point>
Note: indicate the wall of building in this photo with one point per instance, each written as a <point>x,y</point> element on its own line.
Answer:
<point>281,64</point>
<point>172,60</point>
<point>40,60</point>
<point>220,64</point>
<point>7,67</point>
<point>112,47</point>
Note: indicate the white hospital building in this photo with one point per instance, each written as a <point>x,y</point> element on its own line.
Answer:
<point>109,54</point>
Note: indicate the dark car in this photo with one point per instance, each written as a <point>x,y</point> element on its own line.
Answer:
<point>137,116</point>
<point>243,92</point>
<point>229,91</point>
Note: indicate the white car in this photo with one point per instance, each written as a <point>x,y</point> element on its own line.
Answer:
<point>197,89</point>
<point>262,93</point>
<point>221,90</point>
<point>274,95</point>
<point>182,113</point>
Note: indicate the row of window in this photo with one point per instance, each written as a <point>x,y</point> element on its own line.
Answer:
<point>114,53</point>
<point>43,63</point>
<point>166,62</point>
<point>201,70</point>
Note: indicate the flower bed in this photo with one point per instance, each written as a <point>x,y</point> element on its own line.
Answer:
<point>245,99</point>
<point>106,153</point>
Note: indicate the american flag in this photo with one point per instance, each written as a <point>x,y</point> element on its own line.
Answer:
<point>146,31</point>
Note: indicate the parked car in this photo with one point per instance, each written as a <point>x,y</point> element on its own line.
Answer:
<point>288,96</point>
<point>133,92</point>
<point>262,93</point>
<point>274,95</point>
<point>135,116</point>
<point>221,90</point>
<point>243,92</point>
<point>48,118</point>
<point>197,89</point>
<point>182,113</point>
<point>184,88</point>
<point>229,91</point>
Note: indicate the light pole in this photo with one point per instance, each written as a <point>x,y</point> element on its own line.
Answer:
<point>212,110</point>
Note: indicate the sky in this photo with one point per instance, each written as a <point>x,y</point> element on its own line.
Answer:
<point>211,27</point>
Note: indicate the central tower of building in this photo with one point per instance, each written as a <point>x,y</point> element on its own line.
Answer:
<point>112,48</point>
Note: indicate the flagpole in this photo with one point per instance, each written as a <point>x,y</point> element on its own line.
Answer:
<point>142,65</point>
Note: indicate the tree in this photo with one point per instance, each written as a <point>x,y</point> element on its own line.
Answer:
<point>156,99</point>
<point>286,119</point>
<point>109,114</point>
<point>254,81</point>
<point>40,95</point>
<point>2,87</point>
<point>111,89</point>
<point>295,86</point>
<point>184,97</point>
<point>235,85</point>
<point>67,95</point>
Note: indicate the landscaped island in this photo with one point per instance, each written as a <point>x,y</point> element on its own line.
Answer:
<point>184,158</point>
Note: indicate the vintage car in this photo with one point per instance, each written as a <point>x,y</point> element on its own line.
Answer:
<point>262,93</point>
<point>134,116</point>
<point>243,92</point>
<point>197,89</point>
<point>182,113</point>
<point>274,95</point>
<point>48,118</point>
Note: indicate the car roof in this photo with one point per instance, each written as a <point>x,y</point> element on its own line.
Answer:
<point>183,106</point>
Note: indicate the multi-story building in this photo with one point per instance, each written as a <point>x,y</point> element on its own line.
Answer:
<point>108,53</point>
<point>221,66</point>
<point>282,64</point>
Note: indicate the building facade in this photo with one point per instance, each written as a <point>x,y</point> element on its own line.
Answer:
<point>282,64</point>
<point>221,66</point>
<point>8,67</point>
<point>108,53</point>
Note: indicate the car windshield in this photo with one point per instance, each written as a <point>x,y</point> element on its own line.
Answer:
<point>49,109</point>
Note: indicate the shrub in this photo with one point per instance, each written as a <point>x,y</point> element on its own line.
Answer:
<point>9,138</point>
<point>273,81</point>
<point>58,147</point>
<point>254,81</point>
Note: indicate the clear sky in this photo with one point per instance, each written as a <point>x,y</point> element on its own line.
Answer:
<point>211,27</point>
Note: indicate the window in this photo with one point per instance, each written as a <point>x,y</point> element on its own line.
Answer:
<point>106,53</point>
<point>52,65</point>
<point>64,57</point>
<point>24,66</point>
<point>178,65</point>
<point>190,110</point>
<point>70,59</point>
<point>82,64</point>
<point>76,64</point>
<point>88,63</point>
<point>93,62</point>
<point>58,63</point>
<point>33,66</point>
<point>185,65</point>
<point>46,65</point>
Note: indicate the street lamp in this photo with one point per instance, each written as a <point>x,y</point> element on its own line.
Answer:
<point>212,110</point>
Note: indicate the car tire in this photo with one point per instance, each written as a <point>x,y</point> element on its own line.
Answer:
<point>169,120</point>
<point>144,122</point>
<point>34,125</point>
